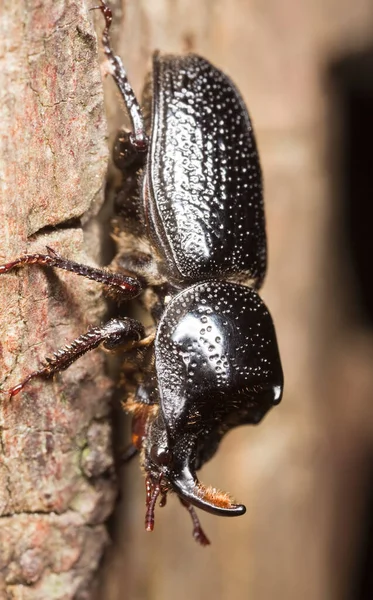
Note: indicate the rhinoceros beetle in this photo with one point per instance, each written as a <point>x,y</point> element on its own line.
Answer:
<point>190,231</point>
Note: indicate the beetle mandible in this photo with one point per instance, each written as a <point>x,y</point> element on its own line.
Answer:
<point>190,231</point>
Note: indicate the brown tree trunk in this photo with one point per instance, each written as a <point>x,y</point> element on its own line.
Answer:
<point>56,483</point>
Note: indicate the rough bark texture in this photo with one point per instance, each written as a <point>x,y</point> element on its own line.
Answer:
<point>56,482</point>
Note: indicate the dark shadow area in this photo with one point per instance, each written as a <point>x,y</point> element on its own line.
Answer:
<point>352,78</point>
<point>362,588</point>
<point>352,81</point>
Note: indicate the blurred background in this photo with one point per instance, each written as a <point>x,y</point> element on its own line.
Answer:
<point>305,474</point>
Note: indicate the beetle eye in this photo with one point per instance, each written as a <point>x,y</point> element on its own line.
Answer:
<point>161,456</point>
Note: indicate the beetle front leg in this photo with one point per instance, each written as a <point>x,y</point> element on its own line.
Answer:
<point>142,415</point>
<point>123,334</point>
<point>115,282</point>
<point>198,533</point>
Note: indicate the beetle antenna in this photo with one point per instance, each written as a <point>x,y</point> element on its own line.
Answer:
<point>152,493</point>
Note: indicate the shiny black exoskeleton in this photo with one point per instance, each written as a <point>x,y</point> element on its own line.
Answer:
<point>190,227</point>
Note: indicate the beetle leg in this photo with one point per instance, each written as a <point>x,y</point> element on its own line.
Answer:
<point>142,409</point>
<point>115,282</point>
<point>126,155</point>
<point>141,413</point>
<point>137,137</point>
<point>115,334</point>
<point>198,533</point>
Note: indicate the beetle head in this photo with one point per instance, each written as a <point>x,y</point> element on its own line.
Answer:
<point>172,467</point>
<point>217,366</point>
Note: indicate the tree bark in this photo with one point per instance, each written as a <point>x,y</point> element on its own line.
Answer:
<point>56,476</point>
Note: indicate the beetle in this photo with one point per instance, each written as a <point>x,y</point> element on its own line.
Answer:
<point>191,240</point>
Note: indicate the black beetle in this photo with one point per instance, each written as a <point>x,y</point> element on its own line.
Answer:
<point>192,243</point>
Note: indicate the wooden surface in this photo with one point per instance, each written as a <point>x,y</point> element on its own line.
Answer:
<point>56,482</point>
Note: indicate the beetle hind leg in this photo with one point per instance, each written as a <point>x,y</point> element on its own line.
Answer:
<point>137,139</point>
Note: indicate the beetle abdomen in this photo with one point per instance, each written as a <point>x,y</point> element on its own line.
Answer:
<point>203,192</point>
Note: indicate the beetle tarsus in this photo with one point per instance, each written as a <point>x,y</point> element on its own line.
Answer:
<point>17,388</point>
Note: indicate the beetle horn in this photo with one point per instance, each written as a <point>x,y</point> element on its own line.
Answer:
<point>209,499</point>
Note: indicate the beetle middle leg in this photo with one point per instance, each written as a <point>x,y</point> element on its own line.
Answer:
<point>122,334</point>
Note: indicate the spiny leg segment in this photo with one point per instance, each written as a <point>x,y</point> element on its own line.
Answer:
<point>116,333</point>
<point>122,284</point>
